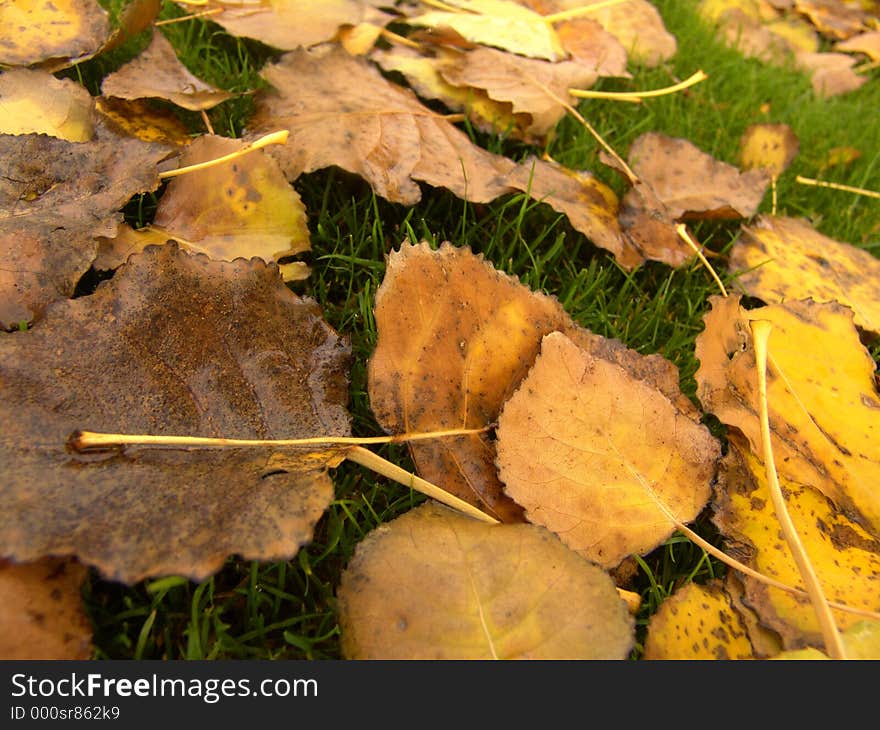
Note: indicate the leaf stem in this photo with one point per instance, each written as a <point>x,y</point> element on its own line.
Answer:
<point>637,96</point>
<point>580,11</point>
<point>836,186</point>
<point>681,230</point>
<point>833,643</point>
<point>279,137</point>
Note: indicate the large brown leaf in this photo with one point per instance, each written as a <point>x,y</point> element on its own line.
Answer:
<point>174,344</point>
<point>434,584</point>
<point>56,198</point>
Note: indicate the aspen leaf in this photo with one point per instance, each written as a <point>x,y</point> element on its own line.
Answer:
<point>867,43</point>
<point>499,23</point>
<point>833,19</point>
<point>137,118</point>
<point>831,73</point>
<point>846,557</point>
<point>599,457</point>
<point>768,146</point>
<point>697,622</point>
<point>158,73</point>
<point>823,404</point>
<point>779,258</point>
<point>52,33</point>
<point>56,198</point>
<point>434,584</point>
<point>35,102</point>
<point>173,344</point>
<point>861,641</point>
<point>43,616</point>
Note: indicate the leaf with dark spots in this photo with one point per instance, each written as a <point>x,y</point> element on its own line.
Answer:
<point>174,344</point>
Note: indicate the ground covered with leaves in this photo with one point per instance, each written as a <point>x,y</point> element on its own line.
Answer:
<point>463,329</point>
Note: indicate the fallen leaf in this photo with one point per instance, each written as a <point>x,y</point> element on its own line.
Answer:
<point>798,34</point>
<point>434,584</point>
<point>860,641</point>
<point>158,73</point>
<point>599,457</point>
<point>769,146</point>
<point>833,18</point>
<point>779,258</point>
<point>831,73</point>
<point>455,338</point>
<point>697,622</point>
<point>173,344</point>
<point>137,118</point>
<point>245,207</point>
<point>823,405</point>
<point>43,617</point>
<point>500,23</point>
<point>341,111</point>
<point>35,102</point>
<point>588,43</point>
<point>56,198</point>
<point>846,558</point>
<point>53,34</point>
<point>691,183</point>
<point>867,43</point>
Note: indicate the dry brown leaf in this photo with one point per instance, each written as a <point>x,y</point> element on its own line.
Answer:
<point>831,73</point>
<point>691,183</point>
<point>341,111</point>
<point>173,344</point>
<point>867,43</point>
<point>600,458</point>
<point>158,73</point>
<point>455,338</point>
<point>43,616</point>
<point>833,18</point>
<point>137,118</point>
<point>35,102</point>
<point>846,558</point>
<point>52,33</point>
<point>56,198</point>
<point>823,404</point>
<point>697,622</point>
<point>778,258</point>
<point>434,584</point>
<point>771,146</point>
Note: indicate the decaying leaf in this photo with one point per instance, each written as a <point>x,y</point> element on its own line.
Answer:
<point>244,207</point>
<point>455,338</point>
<point>137,118</point>
<point>52,33</point>
<point>174,344</point>
<point>599,457</point>
<point>35,102</point>
<point>691,183</point>
<point>778,258</point>
<point>834,18</point>
<point>42,616</point>
<point>56,198</point>
<point>434,584</point>
<point>831,73</point>
<point>158,73</point>
<point>770,146</point>
<point>697,622</point>
<point>823,404</point>
<point>867,43</point>
<point>499,23</point>
<point>846,557</point>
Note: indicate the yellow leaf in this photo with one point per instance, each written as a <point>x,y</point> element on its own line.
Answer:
<point>770,146</point>
<point>35,102</point>
<point>601,458</point>
<point>823,404</point>
<point>435,584</point>
<point>786,258</point>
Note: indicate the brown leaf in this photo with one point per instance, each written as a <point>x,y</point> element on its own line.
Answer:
<point>691,183</point>
<point>43,616</point>
<point>599,457</point>
<point>778,259</point>
<point>434,584</point>
<point>833,18</point>
<point>52,33</point>
<point>35,102</point>
<point>56,198</point>
<point>831,73</point>
<point>137,118</point>
<point>158,73</point>
<point>174,344</point>
<point>455,338</point>
<point>867,43</point>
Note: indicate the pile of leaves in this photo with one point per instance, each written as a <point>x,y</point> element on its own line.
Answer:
<point>193,407</point>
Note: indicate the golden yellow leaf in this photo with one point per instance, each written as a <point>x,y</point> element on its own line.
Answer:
<point>797,33</point>
<point>780,258</point>
<point>833,19</point>
<point>769,146</point>
<point>499,23</point>
<point>846,558</point>
<point>823,404</point>
<point>35,102</point>
<point>435,584</point>
<point>136,118</point>
<point>52,33</point>
<point>158,73</point>
<point>697,622</point>
<point>601,458</point>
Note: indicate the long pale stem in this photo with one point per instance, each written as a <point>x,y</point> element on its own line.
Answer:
<point>637,96</point>
<point>279,137</point>
<point>681,230</point>
<point>836,186</point>
<point>833,642</point>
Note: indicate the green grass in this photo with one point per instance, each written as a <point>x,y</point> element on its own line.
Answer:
<point>286,610</point>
